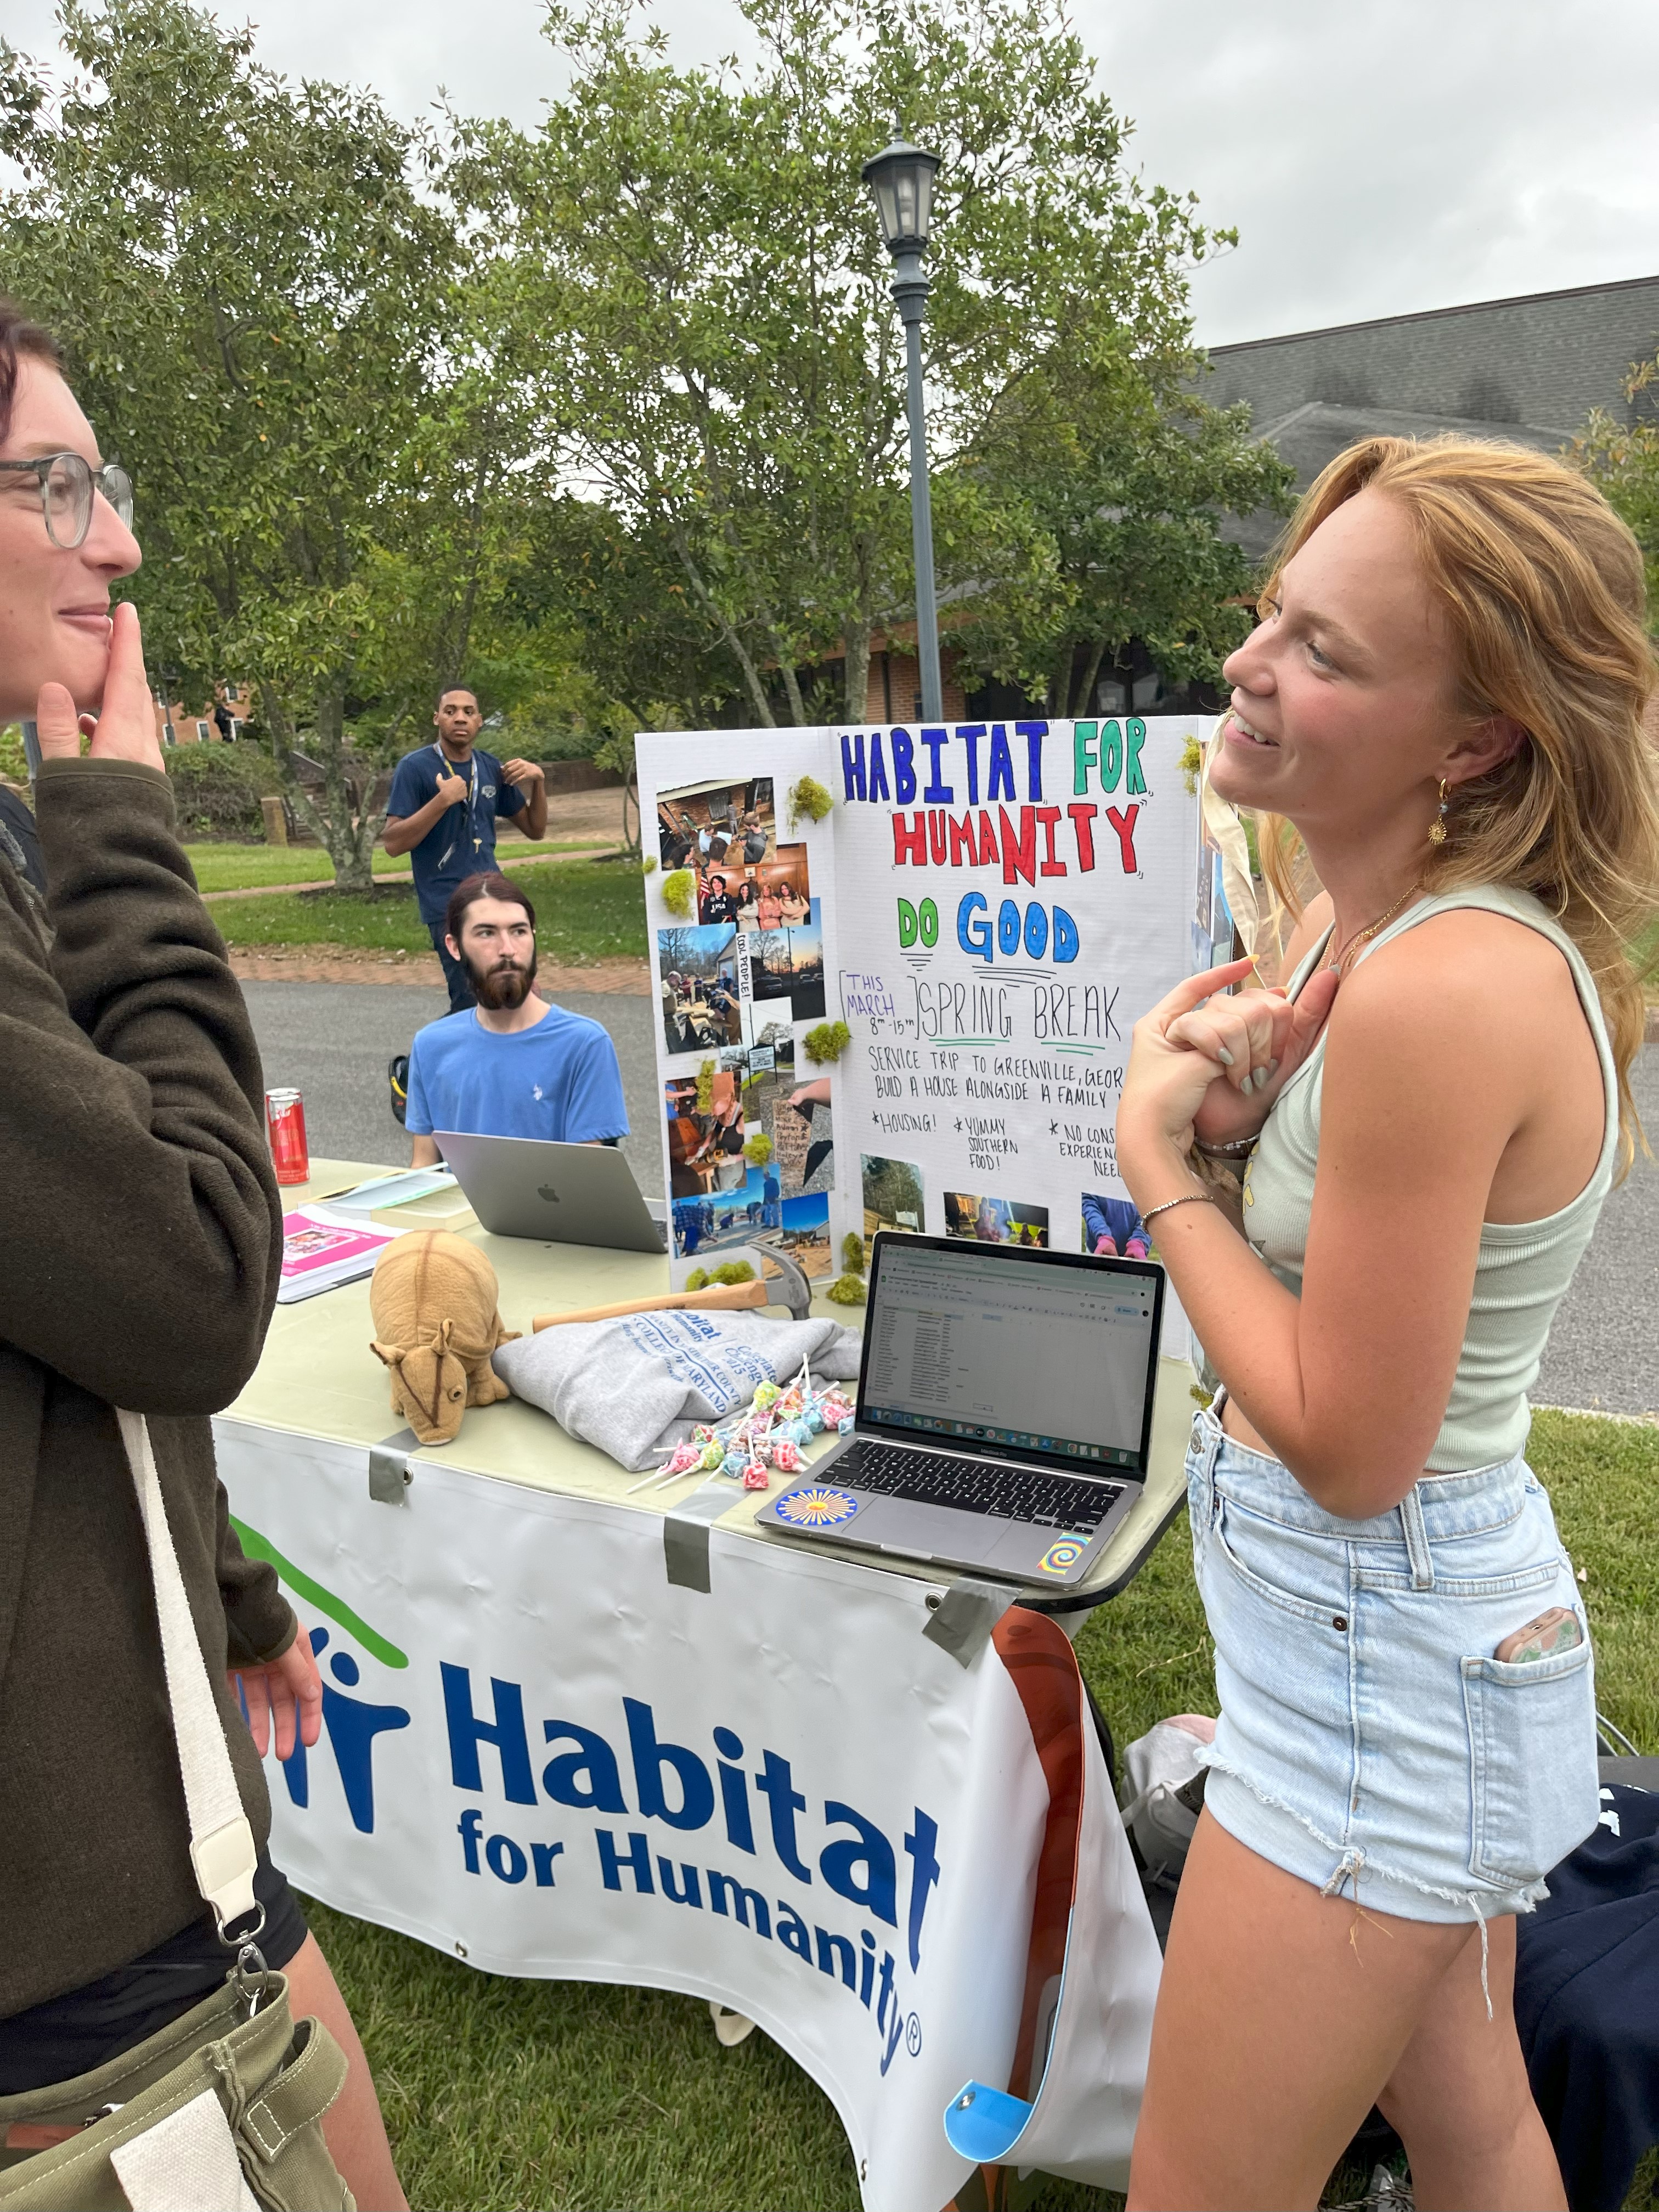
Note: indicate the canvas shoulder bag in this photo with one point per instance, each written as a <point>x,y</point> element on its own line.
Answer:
<point>221,2110</point>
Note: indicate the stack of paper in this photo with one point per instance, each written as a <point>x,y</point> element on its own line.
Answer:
<point>382,1192</point>
<point>319,1254</point>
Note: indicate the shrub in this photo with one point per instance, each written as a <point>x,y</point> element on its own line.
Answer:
<point>217,789</point>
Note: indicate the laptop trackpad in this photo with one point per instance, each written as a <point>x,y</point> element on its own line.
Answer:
<point>937,1532</point>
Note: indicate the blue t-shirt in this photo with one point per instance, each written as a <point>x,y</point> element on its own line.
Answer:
<point>461,842</point>
<point>559,1080</point>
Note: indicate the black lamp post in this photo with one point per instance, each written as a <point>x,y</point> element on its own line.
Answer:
<point>902,180</point>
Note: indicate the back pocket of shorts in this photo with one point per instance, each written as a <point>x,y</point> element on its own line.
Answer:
<point>1532,1758</point>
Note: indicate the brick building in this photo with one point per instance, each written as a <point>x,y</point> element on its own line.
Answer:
<point>179,725</point>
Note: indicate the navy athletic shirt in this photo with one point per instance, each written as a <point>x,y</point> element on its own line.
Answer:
<point>462,841</point>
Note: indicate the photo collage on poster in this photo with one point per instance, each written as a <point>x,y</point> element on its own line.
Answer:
<point>895,1204</point>
<point>750,1156</point>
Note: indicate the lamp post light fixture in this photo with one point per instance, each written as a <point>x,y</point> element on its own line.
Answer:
<point>902,180</point>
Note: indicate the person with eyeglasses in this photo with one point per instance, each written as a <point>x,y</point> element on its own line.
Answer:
<point>143,1235</point>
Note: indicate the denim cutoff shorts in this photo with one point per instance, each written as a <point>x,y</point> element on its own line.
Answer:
<point>1368,1743</point>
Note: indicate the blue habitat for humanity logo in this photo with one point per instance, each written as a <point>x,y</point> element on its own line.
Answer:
<point>832,1861</point>
<point>843,1858</point>
<point>351,1723</point>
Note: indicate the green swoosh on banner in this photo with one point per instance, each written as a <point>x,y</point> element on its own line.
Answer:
<point>260,1547</point>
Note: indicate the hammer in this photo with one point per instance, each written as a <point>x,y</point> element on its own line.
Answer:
<point>720,1297</point>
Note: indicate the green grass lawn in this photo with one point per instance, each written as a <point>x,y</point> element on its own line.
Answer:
<point>505,2094</point>
<point>243,867</point>
<point>585,911</point>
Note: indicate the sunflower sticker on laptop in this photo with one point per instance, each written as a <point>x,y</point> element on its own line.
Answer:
<point>820,1507</point>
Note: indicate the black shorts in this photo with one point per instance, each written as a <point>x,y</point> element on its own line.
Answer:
<point>87,2028</point>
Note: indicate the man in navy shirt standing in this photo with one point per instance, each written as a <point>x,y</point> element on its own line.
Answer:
<point>445,801</point>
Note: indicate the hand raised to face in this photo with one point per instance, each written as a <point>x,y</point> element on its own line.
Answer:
<point>125,730</point>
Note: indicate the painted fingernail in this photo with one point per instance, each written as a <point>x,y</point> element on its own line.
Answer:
<point>1244,1087</point>
<point>1272,1067</point>
<point>1224,1055</point>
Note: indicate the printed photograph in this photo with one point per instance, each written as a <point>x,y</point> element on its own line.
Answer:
<point>803,1231</point>
<point>767,1021</point>
<point>697,972</point>
<point>717,825</point>
<point>771,894</point>
<point>737,1216</point>
<point>787,963</point>
<point>705,1133</point>
<point>1221,914</point>
<point>1112,1229</point>
<point>982,1221</point>
<point>795,1117</point>
<point>1203,911</point>
<point>892,1196</point>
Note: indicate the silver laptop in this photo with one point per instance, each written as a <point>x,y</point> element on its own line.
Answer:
<point>1004,1411</point>
<point>557,1193</point>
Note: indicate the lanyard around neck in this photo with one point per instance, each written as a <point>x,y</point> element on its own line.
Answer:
<point>471,799</point>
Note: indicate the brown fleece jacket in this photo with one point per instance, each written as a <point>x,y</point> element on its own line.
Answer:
<point>140,1252</point>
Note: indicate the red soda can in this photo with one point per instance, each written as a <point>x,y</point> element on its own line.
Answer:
<point>285,1126</point>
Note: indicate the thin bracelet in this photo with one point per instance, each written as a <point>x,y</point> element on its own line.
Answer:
<point>1234,1151</point>
<point>1187,1197</point>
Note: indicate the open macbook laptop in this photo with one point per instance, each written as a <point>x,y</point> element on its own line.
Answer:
<point>558,1194</point>
<point>1004,1410</point>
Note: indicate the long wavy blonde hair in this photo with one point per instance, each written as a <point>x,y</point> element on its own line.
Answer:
<point>1542,590</point>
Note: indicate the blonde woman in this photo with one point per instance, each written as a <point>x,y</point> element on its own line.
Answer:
<point>1442,708</point>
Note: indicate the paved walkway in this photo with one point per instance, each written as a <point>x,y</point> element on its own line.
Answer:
<point>334,1043</point>
<point>1603,1351</point>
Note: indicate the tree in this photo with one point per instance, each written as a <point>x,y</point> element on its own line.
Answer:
<point>892,1188</point>
<point>730,381</point>
<point>252,282</point>
<point>1114,479</point>
<point>1623,459</point>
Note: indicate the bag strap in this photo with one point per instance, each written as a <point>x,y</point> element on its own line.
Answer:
<point>222,1847</point>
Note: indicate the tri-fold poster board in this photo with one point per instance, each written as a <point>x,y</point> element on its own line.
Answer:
<point>988,909</point>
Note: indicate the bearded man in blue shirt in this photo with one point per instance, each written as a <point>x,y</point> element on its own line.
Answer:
<point>442,809</point>
<point>514,1064</point>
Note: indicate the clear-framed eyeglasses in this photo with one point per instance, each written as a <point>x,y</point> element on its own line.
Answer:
<point>67,484</point>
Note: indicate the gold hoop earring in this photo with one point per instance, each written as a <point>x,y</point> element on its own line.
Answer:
<point>1437,829</point>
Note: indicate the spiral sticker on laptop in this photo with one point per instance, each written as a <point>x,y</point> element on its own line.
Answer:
<point>819,1507</point>
<point>1060,1559</point>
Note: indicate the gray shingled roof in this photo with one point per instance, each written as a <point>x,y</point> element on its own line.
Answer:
<point>1528,369</point>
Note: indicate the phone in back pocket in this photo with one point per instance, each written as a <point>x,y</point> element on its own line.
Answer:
<point>1555,1630</point>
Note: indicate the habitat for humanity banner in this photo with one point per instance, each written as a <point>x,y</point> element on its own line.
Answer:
<point>989,907</point>
<point>546,1757</point>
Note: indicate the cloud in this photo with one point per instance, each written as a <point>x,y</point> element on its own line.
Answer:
<point>1384,158</point>
<point>1375,159</point>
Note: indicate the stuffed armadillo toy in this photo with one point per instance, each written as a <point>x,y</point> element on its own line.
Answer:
<point>433,1297</point>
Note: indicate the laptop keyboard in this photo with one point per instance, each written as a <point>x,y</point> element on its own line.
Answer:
<point>1006,1493</point>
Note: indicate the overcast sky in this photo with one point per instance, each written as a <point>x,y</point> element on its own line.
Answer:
<point>1375,155</point>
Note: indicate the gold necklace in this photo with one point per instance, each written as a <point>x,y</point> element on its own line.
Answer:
<point>1363,936</point>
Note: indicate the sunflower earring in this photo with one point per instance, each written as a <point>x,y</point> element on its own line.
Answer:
<point>1437,829</point>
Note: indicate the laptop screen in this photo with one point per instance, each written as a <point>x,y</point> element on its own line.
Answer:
<point>1045,1354</point>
